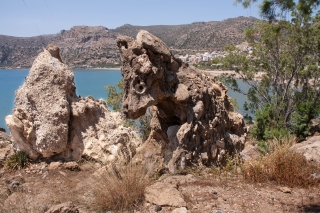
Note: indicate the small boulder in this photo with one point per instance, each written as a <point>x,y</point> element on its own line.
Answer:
<point>250,152</point>
<point>285,190</point>
<point>73,166</point>
<point>55,165</point>
<point>180,210</point>
<point>310,148</point>
<point>164,194</point>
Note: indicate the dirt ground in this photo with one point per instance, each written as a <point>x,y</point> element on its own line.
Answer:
<point>39,187</point>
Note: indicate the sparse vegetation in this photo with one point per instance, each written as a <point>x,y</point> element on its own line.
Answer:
<point>16,161</point>
<point>229,48</point>
<point>281,165</point>
<point>120,188</point>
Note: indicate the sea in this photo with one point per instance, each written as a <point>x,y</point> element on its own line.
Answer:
<point>88,82</point>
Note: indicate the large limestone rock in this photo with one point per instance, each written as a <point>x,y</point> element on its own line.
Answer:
<point>51,121</point>
<point>193,119</point>
<point>310,148</point>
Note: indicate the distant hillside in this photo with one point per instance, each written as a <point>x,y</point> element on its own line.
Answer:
<point>93,46</point>
<point>20,52</point>
<point>198,35</point>
<point>80,46</point>
<point>84,46</point>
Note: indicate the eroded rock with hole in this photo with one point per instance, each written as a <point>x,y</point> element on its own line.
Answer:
<point>193,119</point>
<point>51,121</point>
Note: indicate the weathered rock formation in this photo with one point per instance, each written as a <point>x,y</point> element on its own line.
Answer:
<point>51,121</point>
<point>193,119</point>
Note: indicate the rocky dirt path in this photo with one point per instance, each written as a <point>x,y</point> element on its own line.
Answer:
<point>42,186</point>
<point>232,194</point>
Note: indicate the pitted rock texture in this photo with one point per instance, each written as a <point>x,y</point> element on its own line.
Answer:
<point>6,148</point>
<point>310,148</point>
<point>193,119</point>
<point>51,121</point>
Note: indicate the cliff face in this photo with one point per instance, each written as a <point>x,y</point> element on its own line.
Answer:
<point>84,46</point>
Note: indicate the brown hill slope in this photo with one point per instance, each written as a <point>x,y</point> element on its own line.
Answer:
<point>198,35</point>
<point>84,46</point>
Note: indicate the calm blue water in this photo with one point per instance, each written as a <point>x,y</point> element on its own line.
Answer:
<point>88,82</point>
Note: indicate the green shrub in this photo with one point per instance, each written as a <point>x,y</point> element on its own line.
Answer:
<point>16,161</point>
<point>302,116</point>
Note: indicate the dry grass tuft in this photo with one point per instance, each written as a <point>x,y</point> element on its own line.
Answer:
<point>22,202</point>
<point>229,169</point>
<point>282,165</point>
<point>120,188</point>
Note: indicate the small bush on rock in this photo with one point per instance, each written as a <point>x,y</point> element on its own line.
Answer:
<point>18,160</point>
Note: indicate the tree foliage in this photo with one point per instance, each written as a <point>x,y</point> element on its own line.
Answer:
<point>114,101</point>
<point>283,73</point>
<point>277,9</point>
<point>115,93</point>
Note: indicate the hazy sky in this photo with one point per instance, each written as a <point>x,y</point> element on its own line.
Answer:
<point>33,17</point>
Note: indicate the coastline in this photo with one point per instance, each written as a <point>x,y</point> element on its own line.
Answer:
<point>217,73</point>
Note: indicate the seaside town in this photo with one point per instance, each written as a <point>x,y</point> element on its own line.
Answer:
<point>209,56</point>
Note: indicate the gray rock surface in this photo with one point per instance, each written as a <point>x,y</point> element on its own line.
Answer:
<point>250,152</point>
<point>6,147</point>
<point>164,194</point>
<point>180,210</point>
<point>51,121</point>
<point>310,148</point>
<point>193,119</point>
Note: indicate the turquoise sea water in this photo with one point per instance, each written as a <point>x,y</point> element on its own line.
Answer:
<point>88,82</point>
